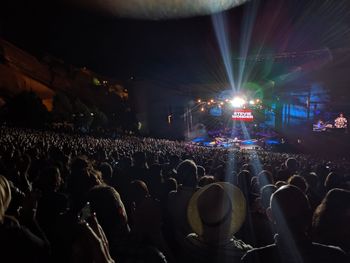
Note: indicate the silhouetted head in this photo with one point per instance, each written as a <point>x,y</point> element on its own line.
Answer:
<point>332,181</point>
<point>82,178</point>
<point>107,172</point>
<point>331,219</point>
<point>266,193</point>
<point>205,180</point>
<point>311,179</point>
<point>265,178</point>
<point>138,191</point>
<point>187,173</point>
<point>299,182</point>
<point>279,184</point>
<point>292,164</point>
<point>200,171</point>
<point>140,159</point>
<point>50,179</point>
<point>170,184</point>
<point>290,211</point>
<point>110,211</point>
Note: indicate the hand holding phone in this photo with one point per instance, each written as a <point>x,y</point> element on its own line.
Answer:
<point>85,212</point>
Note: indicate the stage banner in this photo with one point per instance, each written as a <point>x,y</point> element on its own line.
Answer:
<point>242,115</point>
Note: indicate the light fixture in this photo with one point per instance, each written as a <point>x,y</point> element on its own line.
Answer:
<point>237,102</point>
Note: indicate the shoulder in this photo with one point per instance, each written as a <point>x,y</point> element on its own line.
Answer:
<point>10,221</point>
<point>171,196</point>
<point>255,254</point>
<point>192,241</point>
<point>135,252</point>
<point>334,253</point>
<point>233,249</point>
<point>172,193</point>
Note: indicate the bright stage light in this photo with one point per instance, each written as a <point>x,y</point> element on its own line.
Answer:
<point>238,102</point>
<point>251,102</point>
<point>202,109</point>
<point>199,101</point>
<point>212,101</point>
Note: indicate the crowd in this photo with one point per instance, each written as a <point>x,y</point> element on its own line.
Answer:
<point>73,198</point>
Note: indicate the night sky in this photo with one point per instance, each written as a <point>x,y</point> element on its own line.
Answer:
<point>180,51</point>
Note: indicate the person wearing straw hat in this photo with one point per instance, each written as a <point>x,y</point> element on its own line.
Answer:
<point>215,213</point>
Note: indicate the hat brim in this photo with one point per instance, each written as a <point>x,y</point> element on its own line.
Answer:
<point>238,212</point>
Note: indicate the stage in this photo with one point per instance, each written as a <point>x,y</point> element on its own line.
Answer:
<point>225,142</point>
<point>321,143</point>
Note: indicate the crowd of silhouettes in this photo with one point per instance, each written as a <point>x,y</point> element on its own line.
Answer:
<point>74,198</point>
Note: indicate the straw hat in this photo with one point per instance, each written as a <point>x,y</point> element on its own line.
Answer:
<point>216,205</point>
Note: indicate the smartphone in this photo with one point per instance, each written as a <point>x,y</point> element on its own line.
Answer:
<point>85,212</point>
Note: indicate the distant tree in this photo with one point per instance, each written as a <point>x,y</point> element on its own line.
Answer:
<point>82,115</point>
<point>62,108</point>
<point>100,119</point>
<point>27,110</point>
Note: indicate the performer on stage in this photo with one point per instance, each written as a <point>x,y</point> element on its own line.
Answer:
<point>320,124</point>
<point>341,122</point>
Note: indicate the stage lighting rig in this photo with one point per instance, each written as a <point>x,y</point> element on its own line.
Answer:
<point>238,102</point>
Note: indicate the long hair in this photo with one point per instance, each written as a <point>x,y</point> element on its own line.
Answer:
<point>5,196</point>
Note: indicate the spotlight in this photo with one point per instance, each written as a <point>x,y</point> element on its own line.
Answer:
<point>199,101</point>
<point>251,102</point>
<point>202,109</point>
<point>209,103</point>
<point>169,118</point>
<point>257,100</point>
<point>221,103</point>
<point>212,101</point>
<point>238,102</point>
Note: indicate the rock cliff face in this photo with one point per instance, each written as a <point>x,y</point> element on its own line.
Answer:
<point>21,71</point>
